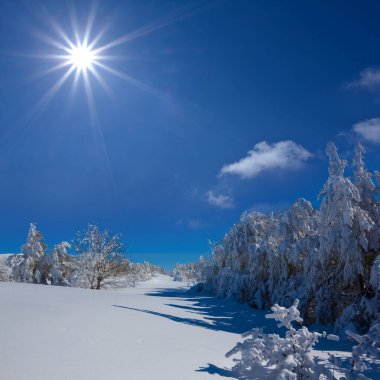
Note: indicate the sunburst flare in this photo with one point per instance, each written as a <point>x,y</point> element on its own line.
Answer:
<point>86,57</point>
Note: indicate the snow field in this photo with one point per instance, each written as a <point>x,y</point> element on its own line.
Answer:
<point>51,332</point>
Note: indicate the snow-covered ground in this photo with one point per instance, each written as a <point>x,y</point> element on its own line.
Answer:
<point>154,331</point>
<point>49,332</point>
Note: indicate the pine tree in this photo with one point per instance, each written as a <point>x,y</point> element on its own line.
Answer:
<point>343,241</point>
<point>33,251</point>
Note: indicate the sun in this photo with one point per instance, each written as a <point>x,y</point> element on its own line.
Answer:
<point>79,54</point>
<point>81,57</point>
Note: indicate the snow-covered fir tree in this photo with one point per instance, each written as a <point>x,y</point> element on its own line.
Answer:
<point>344,231</point>
<point>33,250</point>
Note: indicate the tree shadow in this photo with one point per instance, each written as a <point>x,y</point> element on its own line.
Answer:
<point>214,370</point>
<point>220,315</point>
<point>215,314</point>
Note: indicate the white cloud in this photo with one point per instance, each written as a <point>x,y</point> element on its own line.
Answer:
<point>281,155</point>
<point>368,79</point>
<point>368,130</point>
<point>222,201</point>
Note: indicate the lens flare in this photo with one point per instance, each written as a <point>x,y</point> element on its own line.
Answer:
<point>84,56</point>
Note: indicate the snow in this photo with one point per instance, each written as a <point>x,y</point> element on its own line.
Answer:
<point>153,331</point>
<point>156,331</point>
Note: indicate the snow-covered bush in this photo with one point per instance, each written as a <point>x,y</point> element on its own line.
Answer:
<point>368,348</point>
<point>288,357</point>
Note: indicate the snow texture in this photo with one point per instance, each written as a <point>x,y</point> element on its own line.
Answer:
<point>153,331</point>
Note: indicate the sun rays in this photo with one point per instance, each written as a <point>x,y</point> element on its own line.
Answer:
<point>76,57</point>
<point>80,55</point>
<point>83,56</point>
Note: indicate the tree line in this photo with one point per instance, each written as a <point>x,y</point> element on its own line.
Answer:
<point>328,258</point>
<point>98,261</point>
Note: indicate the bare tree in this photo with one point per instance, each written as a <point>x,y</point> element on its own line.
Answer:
<point>100,255</point>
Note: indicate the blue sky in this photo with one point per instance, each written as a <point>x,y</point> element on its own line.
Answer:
<point>165,159</point>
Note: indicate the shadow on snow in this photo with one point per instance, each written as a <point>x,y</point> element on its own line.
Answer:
<point>220,315</point>
<point>214,370</point>
<point>217,314</point>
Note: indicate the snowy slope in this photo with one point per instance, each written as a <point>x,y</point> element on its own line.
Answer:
<point>156,331</point>
<point>67,333</point>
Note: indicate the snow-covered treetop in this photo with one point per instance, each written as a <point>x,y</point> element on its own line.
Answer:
<point>358,159</point>
<point>93,241</point>
<point>363,178</point>
<point>345,224</point>
<point>336,165</point>
<point>34,245</point>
